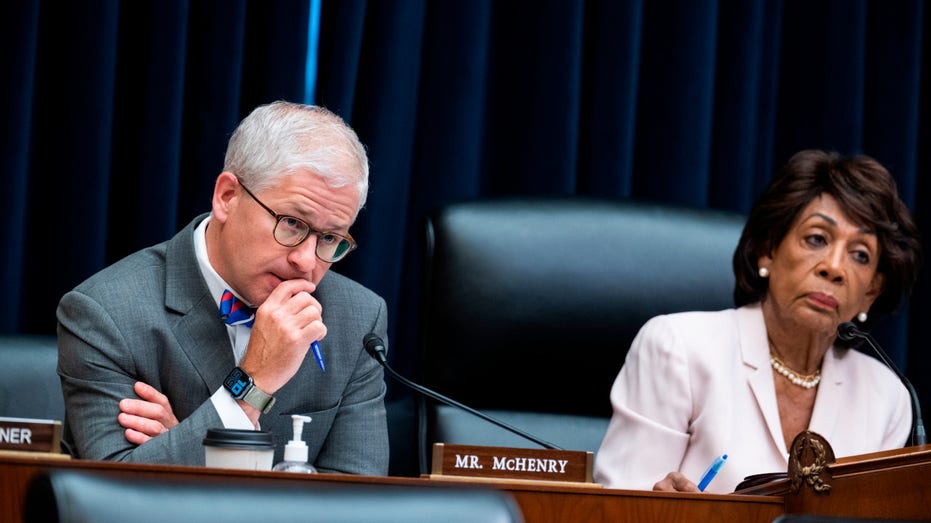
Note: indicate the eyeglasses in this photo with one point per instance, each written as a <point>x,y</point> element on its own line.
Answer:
<point>291,232</point>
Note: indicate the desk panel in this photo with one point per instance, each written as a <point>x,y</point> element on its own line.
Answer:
<point>544,503</point>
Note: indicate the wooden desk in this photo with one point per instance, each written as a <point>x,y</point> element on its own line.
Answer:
<point>894,484</point>
<point>538,502</point>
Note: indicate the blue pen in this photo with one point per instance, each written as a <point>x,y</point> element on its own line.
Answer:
<point>318,355</point>
<point>711,472</point>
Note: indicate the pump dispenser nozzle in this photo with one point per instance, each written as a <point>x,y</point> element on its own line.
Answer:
<point>295,452</point>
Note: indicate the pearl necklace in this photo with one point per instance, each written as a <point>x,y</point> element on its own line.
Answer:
<point>808,382</point>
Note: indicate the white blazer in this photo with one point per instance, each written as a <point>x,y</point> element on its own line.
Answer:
<point>696,385</point>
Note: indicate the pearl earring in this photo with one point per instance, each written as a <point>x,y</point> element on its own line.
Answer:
<point>862,317</point>
<point>764,272</point>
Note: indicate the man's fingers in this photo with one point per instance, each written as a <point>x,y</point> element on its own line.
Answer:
<point>145,409</point>
<point>290,288</point>
<point>149,393</point>
<point>153,406</point>
<point>141,425</point>
<point>135,437</point>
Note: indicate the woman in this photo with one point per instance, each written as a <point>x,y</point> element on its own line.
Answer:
<point>828,242</point>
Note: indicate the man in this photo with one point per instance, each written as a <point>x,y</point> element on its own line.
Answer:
<point>146,360</point>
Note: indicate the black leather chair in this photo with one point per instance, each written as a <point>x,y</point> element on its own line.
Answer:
<point>29,384</point>
<point>80,496</point>
<point>530,306</point>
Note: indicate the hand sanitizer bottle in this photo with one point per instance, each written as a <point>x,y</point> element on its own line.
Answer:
<point>295,452</point>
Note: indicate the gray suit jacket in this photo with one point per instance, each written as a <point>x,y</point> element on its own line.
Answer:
<point>150,318</point>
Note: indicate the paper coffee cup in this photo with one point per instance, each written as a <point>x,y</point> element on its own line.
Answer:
<point>239,449</point>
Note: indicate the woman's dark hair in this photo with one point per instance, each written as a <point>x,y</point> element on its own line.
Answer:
<point>865,191</point>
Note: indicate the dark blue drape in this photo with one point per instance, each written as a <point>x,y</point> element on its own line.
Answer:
<point>116,115</point>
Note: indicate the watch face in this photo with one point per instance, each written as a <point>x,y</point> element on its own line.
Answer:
<point>237,382</point>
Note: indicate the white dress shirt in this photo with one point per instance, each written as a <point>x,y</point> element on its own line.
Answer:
<point>230,412</point>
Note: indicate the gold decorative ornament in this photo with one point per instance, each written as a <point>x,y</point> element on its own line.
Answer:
<point>808,463</point>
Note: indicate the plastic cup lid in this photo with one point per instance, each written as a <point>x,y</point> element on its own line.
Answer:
<point>239,439</point>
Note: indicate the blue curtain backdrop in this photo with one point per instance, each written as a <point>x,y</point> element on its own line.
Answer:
<point>116,115</point>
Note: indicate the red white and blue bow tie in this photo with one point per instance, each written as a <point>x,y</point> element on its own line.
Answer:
<point>234,311</point>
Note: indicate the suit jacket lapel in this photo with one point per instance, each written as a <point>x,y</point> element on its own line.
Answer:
<point>754,349</point>
<point>198,330</point>
<point>825,415</point>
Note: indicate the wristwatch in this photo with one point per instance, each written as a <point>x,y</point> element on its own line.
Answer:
<point>241,386</point>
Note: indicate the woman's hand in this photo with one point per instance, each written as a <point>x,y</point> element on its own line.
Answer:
<point>675,482</point>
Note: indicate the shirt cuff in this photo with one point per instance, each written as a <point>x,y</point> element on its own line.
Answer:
<point>231,414</point>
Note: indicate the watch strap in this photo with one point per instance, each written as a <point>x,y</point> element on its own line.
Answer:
<point>259,399</point>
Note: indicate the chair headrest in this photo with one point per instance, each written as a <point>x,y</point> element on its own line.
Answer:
<point>72,496</point>
<point>29,383</point>
<point>523,294</point>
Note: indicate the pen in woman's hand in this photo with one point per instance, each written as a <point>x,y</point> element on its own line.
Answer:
<point>711,472</point>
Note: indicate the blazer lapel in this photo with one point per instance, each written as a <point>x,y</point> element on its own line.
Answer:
<point>825,415</point>
<point>198,330</point>
<point>754,350</point>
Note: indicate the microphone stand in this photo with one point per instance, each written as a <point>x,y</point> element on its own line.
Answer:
<point>847,331</point>
<point>376,348</point>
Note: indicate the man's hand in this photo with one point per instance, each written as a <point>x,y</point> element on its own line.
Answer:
<point>147,417</point>
<point>675,482</point>
<point>285,326</point>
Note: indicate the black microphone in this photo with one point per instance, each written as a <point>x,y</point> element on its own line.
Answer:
<point>376,348</point>
<point>847,331</point>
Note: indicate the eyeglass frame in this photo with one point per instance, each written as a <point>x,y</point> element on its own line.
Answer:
<point>310,230</point>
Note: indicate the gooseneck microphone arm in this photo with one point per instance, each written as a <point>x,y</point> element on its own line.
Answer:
<point>376,348</point>
<point>847,331</point>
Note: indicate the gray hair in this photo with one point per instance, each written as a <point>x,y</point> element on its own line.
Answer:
<point>282,138</point>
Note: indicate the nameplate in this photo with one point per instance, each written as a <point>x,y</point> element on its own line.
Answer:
<point>512,463</point>
<point>30,435</point>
